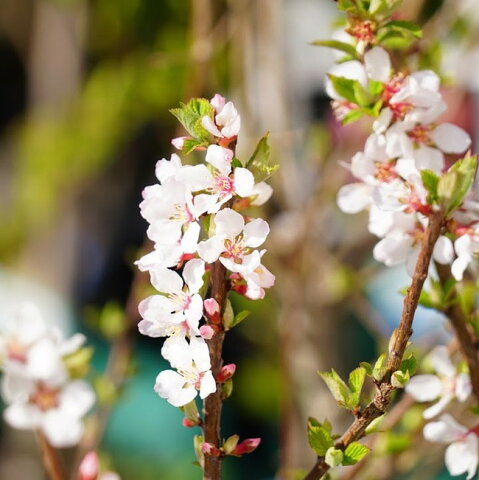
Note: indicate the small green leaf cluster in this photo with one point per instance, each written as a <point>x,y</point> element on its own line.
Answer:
<point>346,395</point>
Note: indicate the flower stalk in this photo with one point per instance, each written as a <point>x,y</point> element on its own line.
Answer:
<point>50,458</point>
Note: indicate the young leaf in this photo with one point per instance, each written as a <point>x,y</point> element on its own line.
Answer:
<point>344,87</point>
<point>228,315</point>
<point>405,27</point>
<point>379,368</point>
<point>356,381</point>
<point>374,425</point>
<point>190,115</point>
<point>238,318</point>
<point>399,379</point>
<point>334,457</point>
<point>337,45</point>
<point>454,185</point>
<point>319,439</point>
<point>260,163</point>
<point>409,365</point>
<point>354,452</point>
<point>337,387</point>
<point>430,181</point>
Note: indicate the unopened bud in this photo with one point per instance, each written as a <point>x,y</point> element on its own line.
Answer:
<point>207,332</point>
<point>212,310</point>
<point>246,446</point>
<point>187,422</point>
<point>210,449</point>
<point>226,372</point>
<point>89,467</point>
<point>179,142</point>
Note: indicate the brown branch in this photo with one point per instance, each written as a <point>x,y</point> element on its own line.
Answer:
<point>464,335</point>
<point>214,402</point>
<point>397,347</point>
<point>50,458</point>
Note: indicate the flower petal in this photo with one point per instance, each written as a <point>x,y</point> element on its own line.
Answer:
<point>450,138</point>
<point>424,388</point>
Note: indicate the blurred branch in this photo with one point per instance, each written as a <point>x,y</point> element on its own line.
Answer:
<point>50,458</point>
<point>397,347</point>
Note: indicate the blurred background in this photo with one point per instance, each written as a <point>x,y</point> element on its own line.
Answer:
<point>85,88</point>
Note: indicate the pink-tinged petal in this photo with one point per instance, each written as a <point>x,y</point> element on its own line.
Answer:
<point>445,430</point>
<point>194,312</point>
<point>189,242</point>
<point>243,182</point>
<point>72,344</point>
<point>462,457</point>
<point>193,274</point>
<point>165,280</point>
<point>172,386</point>
<point>463,387</point>
<point>261,193</point>
<point>229,223</point>
<point>200,353</point>
<point>165,232</point>
<point>208,123</point>
<point>109,476</point>
<point>218,102</point>
<point>464,245</point>
<point>77,398</point>
<point>443,251</point>
<point>424,388</point>
<point>354,197</point>
<point>155,306</point>
<point>378,64</point>
<point>438,407</point>
<point>230,120</point>
<point>16,387</point>
<point>381,124</point>
<point>406,168</point>
<point>441,361</point>
<point>29,325</point>
<point>429,158</point>
<point>177,351</point>
<point>459,266</point>
<point>427,79</point>
<point>22,416</point>
<point>167,168</point>
<point>393,250</point>
<point>164,255</point>
<point>203,203</point>
<point>232,128</point>
<point>450,138</point>
<point>255,232</point>
<point>89,467</point>
<point>220,158</point>
<point>208,384</point>
<point>178,142</point>
<point>44,361</point>
<point>207,332</point>
<point>61,428</point>
<point>195,178</point>
<point>209,250</point>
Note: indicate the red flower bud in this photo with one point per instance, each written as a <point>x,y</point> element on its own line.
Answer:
<point>210,449</point>
<point>246,446</point>
<point>226,372</point>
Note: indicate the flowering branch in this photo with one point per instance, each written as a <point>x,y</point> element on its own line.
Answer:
<point>458,320</point>
<point>398,343</point>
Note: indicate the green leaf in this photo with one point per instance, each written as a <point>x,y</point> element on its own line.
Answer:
<point>380,368</point>
<point>337,387</point>
<point>363,97</point>
<point>238,318</point>
<point>260,162</point>
<point>78,362</point>
<point>347,5</point>
<point>374,425</point>
<point>197,443</point>
<point>319,438</point>
<point>190,115</point>
<point>399,379</point>
<point>334,457</point>
<point>344,47</point>
<point>352,116</point>
<point>344,87</point>
<point>354,452</point>
<point>409,365</point>
<point>430,181</point>
<point>368,367</point>
<point>191,144</point>
<point>227,389</point>
<point>356,381</point>
<point>375,88</point>
<point>405,27</point>
<point>454,185</point>
<point>191,411</point>
<point>228,315</point>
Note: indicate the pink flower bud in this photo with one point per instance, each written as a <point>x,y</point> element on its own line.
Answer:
<point>178,142</point>
<point>218,102</point>
<point>188,423</point>
<point>212,310</point>
<point>226,372</point>
<point>210,449</point>
<point>207,332</point>
<point>246,446</point>
<point>89,467</point>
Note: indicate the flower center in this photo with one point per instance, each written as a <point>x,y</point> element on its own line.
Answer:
<point>181,299</point>
<point>181,214</point>
<point>223,185</point>
<point>363,31</point>
<point>235,249</point>
<point>45,398</point>
<point>420,134</point>
<point>400,109</point>
<point>385,171</point>
<point>393,86</point>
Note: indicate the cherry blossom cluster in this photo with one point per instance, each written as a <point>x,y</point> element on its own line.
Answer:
<point>462,453</point>
<point>406,141</point>
<point>37,385</point>
<point>195,220</point>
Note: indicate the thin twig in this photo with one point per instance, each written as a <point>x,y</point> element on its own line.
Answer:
<point>398,344</point>
<point>458,320</point>
<point>50,458</point>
